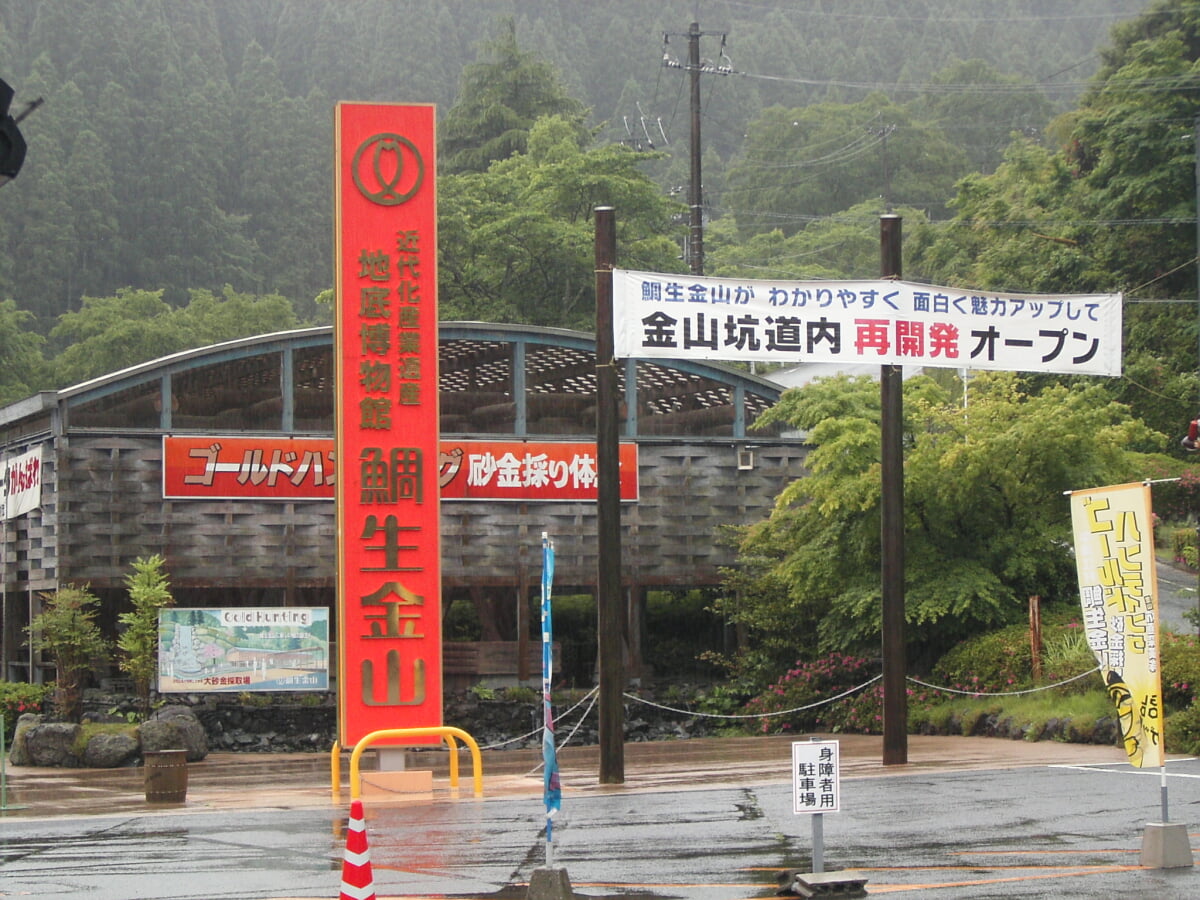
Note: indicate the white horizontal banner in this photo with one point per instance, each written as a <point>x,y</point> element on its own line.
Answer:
<point>881,322</point>
<point>21,483</point>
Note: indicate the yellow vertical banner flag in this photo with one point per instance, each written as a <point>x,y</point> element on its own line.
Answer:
<point>1118,589</point>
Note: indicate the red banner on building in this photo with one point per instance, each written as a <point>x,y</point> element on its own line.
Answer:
<point>203,467</point>
<point>386,433</point>
<point>271,467</point>
<point>528,470</point>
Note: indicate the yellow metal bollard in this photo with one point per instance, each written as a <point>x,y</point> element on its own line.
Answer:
<point>335,768</point>
<point>446,732</point>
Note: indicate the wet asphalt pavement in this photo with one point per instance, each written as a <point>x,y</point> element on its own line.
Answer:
<point>698,820</point>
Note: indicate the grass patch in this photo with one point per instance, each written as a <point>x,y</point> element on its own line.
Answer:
<point>89,730</point>
<point>1032,711</point>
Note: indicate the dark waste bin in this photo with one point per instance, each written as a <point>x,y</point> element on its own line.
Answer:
<point>166,775</point>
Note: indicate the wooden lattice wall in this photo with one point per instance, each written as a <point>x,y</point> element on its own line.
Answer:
<point>110,510</point>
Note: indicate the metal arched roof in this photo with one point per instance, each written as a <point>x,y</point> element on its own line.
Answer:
<point>496,362</point>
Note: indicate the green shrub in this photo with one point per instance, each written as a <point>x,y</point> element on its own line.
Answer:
<point>1183,731</point>
<point>987,663</point>
<point>18,698</point>
<point>720,699</point>
<point>1180,656</point>
<point>67,630</point>
<point>1001,660</point>
<point>481,691</point>
<point>149,592</point>
<point>1183,546</point>
<point>809,683</point>
<point>1065,655</point>
<point>521,694</point>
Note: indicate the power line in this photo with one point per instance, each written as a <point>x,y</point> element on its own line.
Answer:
<point>817,13</point>
<point>1160,84</point>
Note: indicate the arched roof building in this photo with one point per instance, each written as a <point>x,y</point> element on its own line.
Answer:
<point>108,445</point>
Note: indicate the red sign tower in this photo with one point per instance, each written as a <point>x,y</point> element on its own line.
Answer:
<point>386,431</point>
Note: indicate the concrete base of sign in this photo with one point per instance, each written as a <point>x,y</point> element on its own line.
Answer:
<point>549,883</point>
<point>1165,846</point>
<point>823,884</point>
<point>392,759</point>
<point>382,784</point>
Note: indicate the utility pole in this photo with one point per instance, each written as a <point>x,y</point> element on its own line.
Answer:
<point>695,194</point>
<point>1196,165</point>
<point>695,68</point>
<point>895,665</point>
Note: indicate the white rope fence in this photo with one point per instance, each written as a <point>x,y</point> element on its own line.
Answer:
<point>855,690</point>
<point>1005,693</point>
<point>594,693</point>
<point>767,715</point>
<point>589,695</point>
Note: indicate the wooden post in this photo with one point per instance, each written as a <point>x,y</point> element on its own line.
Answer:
<point>608,512</point>
<point>1035,636</point>
<point>895,666</point>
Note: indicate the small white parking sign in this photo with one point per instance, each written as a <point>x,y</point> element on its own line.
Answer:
<point>816,777</point>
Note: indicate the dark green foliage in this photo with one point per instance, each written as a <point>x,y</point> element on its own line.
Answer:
<point>502,95</point>
<point>1180,680</point>
<point>187,146</point>
<point>680,629</point>
<point>1108,205</point>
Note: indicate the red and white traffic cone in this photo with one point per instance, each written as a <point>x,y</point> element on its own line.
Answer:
<point>357,881</point>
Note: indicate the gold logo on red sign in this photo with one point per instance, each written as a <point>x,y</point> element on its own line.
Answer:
<point>387,169</point>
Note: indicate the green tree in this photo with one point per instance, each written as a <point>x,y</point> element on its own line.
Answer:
<point>983,120</point>
<point>67,630</point>
<point>1111,208</point>
<point>210,318</point>
<point>516,243</point>
<point>149,592</point>
<point>503,93</point>
<point>845,246</point>
<point>986,525</point>
<point>22,367</point>
<point>813,161</point>
<point>111,333</point>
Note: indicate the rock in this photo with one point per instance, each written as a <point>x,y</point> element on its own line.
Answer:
<point>18,753</point>
<point>175,728</point>
<point>107,751</point>
<point>53,744</point>
<point>195,739</point>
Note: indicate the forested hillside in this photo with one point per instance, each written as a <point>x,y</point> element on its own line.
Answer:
<point>186,146</point>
